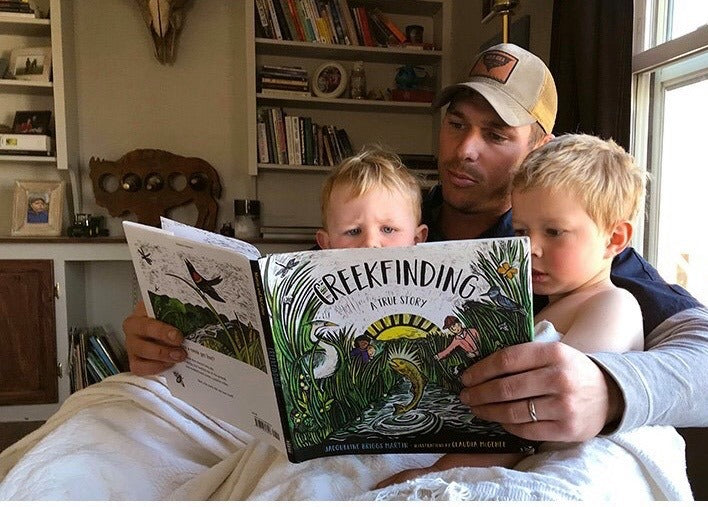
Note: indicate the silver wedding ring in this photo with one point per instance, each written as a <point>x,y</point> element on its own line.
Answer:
<point>532,410</point>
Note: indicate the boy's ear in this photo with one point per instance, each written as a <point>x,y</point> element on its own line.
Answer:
<point>620,236</point>
<point>322,239</point>
<point>421,234</point>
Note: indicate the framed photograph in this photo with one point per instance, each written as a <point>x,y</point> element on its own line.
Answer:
<point>31,64</point>
<point>37,208</point>
<point>329,80</point>
<point>31,122</point>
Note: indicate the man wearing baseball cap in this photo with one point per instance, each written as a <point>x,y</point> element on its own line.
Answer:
<point>505,109</point>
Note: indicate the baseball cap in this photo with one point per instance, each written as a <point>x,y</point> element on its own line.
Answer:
<point>515,82</point>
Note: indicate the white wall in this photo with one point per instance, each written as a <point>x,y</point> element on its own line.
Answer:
<point>128,100</point>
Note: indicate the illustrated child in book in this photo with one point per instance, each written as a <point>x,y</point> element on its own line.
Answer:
<point>465,338</point>
<point>575,198</point>
<point>368,200</point>
<point>362,351</point>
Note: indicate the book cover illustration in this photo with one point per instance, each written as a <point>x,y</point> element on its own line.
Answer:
<point>368,345</point>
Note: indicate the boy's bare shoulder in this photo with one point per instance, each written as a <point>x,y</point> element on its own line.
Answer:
<point>615,297</point>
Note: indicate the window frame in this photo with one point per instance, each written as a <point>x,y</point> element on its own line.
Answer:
<point>650,20</point>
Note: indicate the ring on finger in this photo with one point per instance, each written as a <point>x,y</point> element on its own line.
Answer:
<point>532,410</point>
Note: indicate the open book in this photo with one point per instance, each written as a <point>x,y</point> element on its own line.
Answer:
<point>337,351</point>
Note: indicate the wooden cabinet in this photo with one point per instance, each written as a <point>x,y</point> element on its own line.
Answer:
<point>28,352</point>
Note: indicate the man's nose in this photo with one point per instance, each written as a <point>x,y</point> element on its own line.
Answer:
<point>470,145</point>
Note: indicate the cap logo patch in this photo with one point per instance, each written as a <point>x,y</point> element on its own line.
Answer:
<point>496,65</point>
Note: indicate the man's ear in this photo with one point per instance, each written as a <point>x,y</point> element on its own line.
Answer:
<point>322,239</point>
<point>421,234</point>
<point>619,238</point>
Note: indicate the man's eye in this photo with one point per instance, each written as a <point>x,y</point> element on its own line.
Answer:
<point>388,229</point>
<point>553,233</point>
<point>496,137</point>
<point>353,232</point>
<point>457,125</point>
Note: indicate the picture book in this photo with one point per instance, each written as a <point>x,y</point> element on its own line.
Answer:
<point>328,352</point>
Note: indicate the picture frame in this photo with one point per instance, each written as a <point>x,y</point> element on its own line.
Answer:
<point>32,122</point>
<point>38,208</point>
<point>31,64</point>
<point>330,80</point>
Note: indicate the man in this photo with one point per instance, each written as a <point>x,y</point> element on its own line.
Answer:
<point>506,109</point>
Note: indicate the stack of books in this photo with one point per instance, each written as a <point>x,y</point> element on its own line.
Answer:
<point>283,81</point>
<point>16,8</point>
<point>328,22</point>
<point>296,140</point>
<point>93,356</point>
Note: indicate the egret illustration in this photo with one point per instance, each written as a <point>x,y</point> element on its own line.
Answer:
<point>323,361</point>
<point>494,293</point>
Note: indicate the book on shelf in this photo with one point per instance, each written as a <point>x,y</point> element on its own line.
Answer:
<point>93,356</point>
<point>330,352</point>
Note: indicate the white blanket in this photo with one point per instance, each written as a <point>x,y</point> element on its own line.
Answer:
<point>127,438</point>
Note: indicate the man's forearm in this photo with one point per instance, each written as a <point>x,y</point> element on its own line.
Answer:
<point>668,383</point>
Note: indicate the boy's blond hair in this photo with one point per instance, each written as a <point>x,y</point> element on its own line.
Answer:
<point>601,174</point>
<point>372,167</point>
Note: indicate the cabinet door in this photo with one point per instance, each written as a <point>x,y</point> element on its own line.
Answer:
<point>28,349</point>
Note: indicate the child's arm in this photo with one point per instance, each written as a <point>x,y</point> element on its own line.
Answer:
<point>610,321</point>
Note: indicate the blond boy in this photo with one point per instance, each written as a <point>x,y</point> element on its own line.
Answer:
<point>371,200</point>
<point>575,197</point>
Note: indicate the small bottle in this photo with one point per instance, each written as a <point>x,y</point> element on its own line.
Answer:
<point>197,181</point>
<point>131,182</point>
<point>358,81</point>
<point>154,182</point>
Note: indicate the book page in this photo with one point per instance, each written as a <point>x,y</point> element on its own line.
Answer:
<point>211,238</point>
<point>207,292</point>
<point>370,343</point>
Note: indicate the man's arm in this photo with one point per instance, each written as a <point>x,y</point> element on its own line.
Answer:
<point>152,346</point>
<point>667,384</point>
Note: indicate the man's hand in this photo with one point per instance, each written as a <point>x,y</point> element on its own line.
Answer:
<point>572,397</point>
<point>152,346</point>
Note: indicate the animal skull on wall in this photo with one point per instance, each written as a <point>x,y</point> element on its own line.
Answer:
<point>164,19</point>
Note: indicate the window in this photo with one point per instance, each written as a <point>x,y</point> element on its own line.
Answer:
<point>670,66</point>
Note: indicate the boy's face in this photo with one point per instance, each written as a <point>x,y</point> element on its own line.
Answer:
<point>568,250</point>
<point>38,205</point>
<point>375,219</point>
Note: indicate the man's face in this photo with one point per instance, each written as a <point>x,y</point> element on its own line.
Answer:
<point>456,328</point>
<point>478,155</point>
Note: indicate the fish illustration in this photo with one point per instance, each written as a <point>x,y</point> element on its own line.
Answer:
<point>418,382</point>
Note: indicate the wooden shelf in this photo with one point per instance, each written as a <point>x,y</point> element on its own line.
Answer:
<point>344,52</point>
<point>28,158</point>
<point>31,27</point>
<point>377,106</point>
<point>61,239</point>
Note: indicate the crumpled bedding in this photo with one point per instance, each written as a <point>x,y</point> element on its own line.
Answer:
<point>128,438</point>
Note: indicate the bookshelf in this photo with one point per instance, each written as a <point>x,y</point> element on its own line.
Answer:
<point>56,95</point>
<point>406,127</point>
